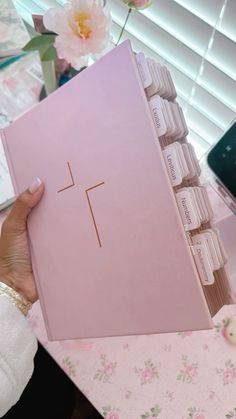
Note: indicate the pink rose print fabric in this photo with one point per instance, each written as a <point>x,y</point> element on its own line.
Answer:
<point>178,375</point>
<point>106,370</point>
<point>147,373</point>
<point>228,372</point>
<point>188,371</point>
<point>69,366</point>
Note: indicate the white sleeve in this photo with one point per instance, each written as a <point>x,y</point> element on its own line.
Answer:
<point>18,346</point>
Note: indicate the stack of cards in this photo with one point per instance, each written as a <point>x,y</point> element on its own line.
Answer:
<point>162,83</point>
<point>168,118</point>
<point>181,162</point>
<point>209,255</point>
<point>194,207</point>
<point>184,170</point>
<point>158,84</point>
<point>156,78</point>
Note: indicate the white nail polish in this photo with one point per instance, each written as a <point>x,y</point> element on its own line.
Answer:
<point>35,185</point>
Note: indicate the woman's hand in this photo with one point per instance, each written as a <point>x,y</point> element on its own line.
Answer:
<point>15,263</point>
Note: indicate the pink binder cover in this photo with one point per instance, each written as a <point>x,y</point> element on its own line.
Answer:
<point>108,247</point>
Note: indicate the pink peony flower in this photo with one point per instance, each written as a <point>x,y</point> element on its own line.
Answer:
<point>137,4</point>
<point>83,28</point>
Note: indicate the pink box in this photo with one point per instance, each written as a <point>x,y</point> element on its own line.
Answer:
<point>109,251</point>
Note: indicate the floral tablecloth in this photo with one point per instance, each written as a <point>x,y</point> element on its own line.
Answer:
<point>186,375</point>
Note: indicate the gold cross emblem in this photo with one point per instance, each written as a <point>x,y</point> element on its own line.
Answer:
<point>72,184</point>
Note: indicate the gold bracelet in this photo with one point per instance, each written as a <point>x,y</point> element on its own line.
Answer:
<point>17,299</point>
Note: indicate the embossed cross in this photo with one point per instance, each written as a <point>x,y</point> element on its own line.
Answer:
<point>71,184</point>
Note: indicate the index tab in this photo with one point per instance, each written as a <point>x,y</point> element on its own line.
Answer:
<point>143,69</point>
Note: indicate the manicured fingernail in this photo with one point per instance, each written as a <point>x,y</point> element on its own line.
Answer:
<point>35,185</point>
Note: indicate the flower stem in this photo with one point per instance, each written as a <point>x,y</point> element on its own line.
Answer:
<point>49,74</point>
<point>122,30</point>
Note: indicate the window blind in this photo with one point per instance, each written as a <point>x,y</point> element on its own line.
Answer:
<point>196,40</point>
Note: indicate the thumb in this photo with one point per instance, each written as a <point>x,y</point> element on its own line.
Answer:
<point>23,205</point>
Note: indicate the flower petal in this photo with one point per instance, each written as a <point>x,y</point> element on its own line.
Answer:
<point>69,48</point>
<point>55,19</point>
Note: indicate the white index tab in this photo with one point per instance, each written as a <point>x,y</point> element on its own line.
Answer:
<point>203,264</point>
<point>143,69</point>
<point>187,209</point>
<point>155,104</point>
<point>173,165</point>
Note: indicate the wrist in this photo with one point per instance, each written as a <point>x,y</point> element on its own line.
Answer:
<point>12,281</point>
<point>15,297</point>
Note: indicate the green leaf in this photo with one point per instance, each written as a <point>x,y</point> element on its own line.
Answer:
<point>40,41</point>
<point>50,54</point>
